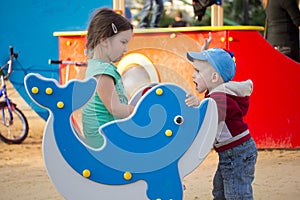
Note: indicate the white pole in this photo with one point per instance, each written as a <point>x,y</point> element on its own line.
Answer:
<point>119,5</point>
<point>217,18</point>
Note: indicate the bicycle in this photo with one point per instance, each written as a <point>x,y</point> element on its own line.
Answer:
<point>67,64</point>
<point>13,125</point>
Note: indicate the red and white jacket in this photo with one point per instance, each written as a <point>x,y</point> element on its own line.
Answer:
<point>232,100</point>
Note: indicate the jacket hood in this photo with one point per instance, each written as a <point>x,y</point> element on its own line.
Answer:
<point>237,91</point>
<point>242,89</point>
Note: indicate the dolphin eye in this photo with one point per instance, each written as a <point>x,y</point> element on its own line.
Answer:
<point>178,120</point>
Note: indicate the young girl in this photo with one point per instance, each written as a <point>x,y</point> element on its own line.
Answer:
<point>107,38</point>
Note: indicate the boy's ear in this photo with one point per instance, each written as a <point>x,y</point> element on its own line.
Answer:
<point>215,77</point>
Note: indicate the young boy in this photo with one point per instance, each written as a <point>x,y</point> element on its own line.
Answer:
<point>213,70</point>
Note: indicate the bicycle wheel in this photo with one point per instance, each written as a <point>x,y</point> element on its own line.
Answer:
<point>16,132</point>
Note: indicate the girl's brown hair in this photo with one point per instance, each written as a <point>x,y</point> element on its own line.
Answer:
<point>104,24</point>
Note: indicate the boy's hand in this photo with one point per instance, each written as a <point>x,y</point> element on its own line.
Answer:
<point>207,42</point>
<point>192,101</point>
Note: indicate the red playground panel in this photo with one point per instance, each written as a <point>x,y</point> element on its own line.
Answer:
<point>273,116</point>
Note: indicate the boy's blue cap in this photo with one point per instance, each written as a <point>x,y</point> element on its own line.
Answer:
<point>220,59</point>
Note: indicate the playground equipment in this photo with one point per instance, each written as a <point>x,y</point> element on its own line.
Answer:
<point>161,53</point>
<point>144,156</point>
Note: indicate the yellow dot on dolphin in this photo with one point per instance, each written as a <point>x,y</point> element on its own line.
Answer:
<point>168,133</point>
<point>35,90</point>
<point>49,90</point>
<point>127,176</point>
<point>159,91</point>
<point>86,173</point>
<point>60,104</point>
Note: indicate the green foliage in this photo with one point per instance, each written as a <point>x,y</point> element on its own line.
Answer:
<point>166,20</point>
<point>234,10</point>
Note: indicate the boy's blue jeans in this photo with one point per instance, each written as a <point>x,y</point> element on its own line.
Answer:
<point>235,173</point>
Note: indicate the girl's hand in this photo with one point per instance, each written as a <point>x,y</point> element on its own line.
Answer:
<point>191,100</point>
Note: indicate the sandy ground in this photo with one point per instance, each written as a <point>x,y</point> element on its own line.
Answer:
<point>23,174</point>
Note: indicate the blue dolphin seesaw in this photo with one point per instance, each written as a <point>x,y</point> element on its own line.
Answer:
<point>145,156</point>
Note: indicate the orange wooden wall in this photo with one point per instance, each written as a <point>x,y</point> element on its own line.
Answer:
<point>273,117</point>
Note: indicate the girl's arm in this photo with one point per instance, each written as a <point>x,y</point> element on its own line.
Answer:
<point>107,93</point>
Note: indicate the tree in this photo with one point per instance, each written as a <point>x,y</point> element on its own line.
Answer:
<point>245,12</point>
